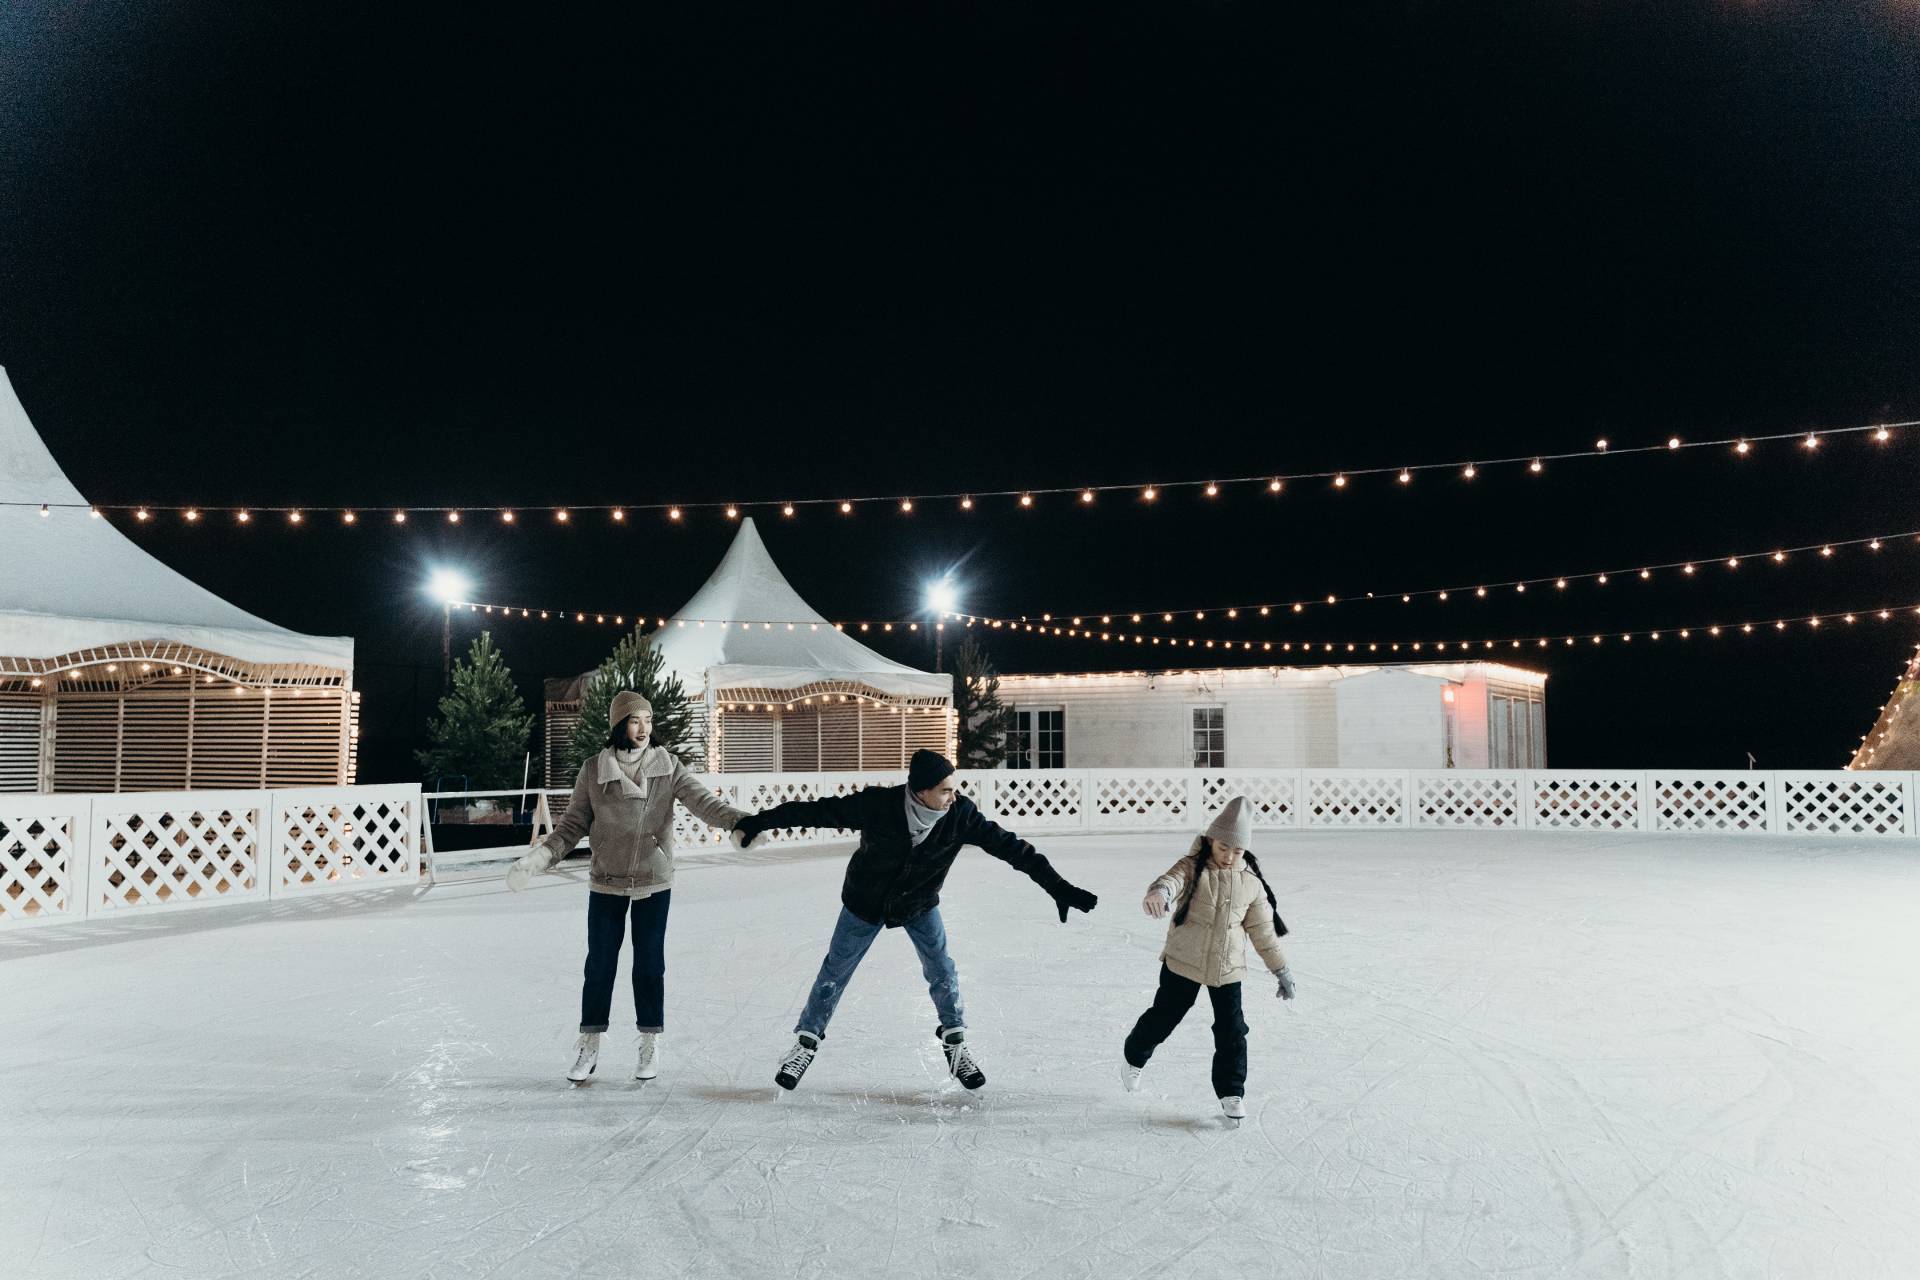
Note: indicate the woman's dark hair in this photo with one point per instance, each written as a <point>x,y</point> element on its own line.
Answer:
<point>617,737</point>
<point>1201,852</point>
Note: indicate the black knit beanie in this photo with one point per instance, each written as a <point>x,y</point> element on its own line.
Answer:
<point>927,769</point>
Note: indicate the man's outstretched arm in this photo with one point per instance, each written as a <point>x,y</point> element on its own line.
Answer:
<point>986,834</point>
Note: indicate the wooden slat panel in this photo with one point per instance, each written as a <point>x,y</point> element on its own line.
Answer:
<point>86,742</point>
<point>746,742</point>
<point>840,737</point>
<point>20,740</point>
<point>229,736</point>
<point>800,740</point>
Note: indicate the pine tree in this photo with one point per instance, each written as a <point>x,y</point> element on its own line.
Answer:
<point>483,727</point>
<point>984,720</point>
<point>637,665</point>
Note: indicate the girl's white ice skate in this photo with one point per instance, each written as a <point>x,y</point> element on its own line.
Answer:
<point>586,1058</point>
<point>1235,1109</point>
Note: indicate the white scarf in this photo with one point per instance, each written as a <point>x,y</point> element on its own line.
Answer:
<point>920,819</point>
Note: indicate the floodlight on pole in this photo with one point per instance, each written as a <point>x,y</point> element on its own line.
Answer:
<point>942,599</point>
<point>449,587</point>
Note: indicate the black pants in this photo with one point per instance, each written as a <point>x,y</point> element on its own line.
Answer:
<point>606,930</point>
<point>1170,1004</point>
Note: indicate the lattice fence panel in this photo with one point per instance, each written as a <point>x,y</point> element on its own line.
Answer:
<point>1480,801</point>
<point>1139,800</point>
<point>1037,799</point>
<point>1358,799</point>
<point>1584,801</point>
<point>1275,797</point>
<point>1704,801</point>
<point>173,850</point>
<point>42,842</point>
<point>1855,804</point>
<point>335,838</point>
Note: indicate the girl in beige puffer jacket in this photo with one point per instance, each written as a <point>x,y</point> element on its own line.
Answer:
<point>1220,902</point>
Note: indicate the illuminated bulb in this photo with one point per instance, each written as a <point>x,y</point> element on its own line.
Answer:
<point>1742,447</point>
<point>1264,611</point>
<point>1779,626</point>
<point>1406,477</point>
<point>1686,569</point>
<point>733,513</point>
<point>453,517</point>
<point>399,517</point>
<point>1333,600</point>
<point>1826,551</point>
<point>192,515</point>
<point>506,517</point>
<point>1779,557</point>
<point>1026,499</point>
<point>619,515</point>
<point>1602,579</point>
<point>1443,595</point>
<point>1481,592</point>
<point>93,512</point>
<point>1136,617</point>
<point>906,504</point>
<point>1601,444</point>
<point>1733,562</point>
<point>1406,599</point>
<point>1298,607</point>
<point>44,513</point>
<point>1340,482</point>
<point>1273,486</point>
<point>1645,574</point>
<point>1673,442</point>
<point>1471,471</point>
<point>1166,617</point>
<point>562,516</point>
<point>1213,490</point>
<point>347,517</point>
<point>1874,545</point>
<point>1535,466</point>
<point>1149,493</point>
<point>293,517</point>
<point>673,513</point>
<point>1883,435</point>
<point>846,508</point>
<point>787,510</point>
<point>141,514</point>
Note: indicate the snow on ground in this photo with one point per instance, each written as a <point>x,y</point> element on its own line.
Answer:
<point>1530,1056</point>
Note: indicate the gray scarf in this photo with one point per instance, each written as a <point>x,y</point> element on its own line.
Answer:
<point>920,819</point>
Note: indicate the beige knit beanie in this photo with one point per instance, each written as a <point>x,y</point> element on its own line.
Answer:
<point>1233,825</point>
<point>626,703</point>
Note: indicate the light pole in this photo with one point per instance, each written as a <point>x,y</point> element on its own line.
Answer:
<point>449,587</point>
<point>942,600</point>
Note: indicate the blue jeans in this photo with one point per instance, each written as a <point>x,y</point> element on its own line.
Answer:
<point>606,929</point>
<point>851,938</point>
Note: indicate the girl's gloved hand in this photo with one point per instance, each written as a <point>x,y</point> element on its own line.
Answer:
<point>1286,984</point>
<point>521,872</point>
<point>1155,903</point>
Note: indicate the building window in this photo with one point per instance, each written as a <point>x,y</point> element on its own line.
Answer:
<point>1209,737</point>
<point>1039,738</point>
<point>1516,733</point>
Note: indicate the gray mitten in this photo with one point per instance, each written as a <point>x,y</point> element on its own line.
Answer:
<point>1286,984</point>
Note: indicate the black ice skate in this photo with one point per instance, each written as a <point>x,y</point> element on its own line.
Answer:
<point>798,1059</point>
<point>959,1058</point>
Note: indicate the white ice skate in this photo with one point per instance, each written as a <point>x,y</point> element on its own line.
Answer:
<point>1235,1109</point>
<point>649,1064</point>
<point>586,1057</point>
<point>798,1059</point>
<point>1130,1076</point>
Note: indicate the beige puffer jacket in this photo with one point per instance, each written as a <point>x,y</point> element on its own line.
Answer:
<point>1228,909</point>
<point>631,832</point>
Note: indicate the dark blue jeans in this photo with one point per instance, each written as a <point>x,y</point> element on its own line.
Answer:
<point>606,930</point>
<point>1170,1004</point>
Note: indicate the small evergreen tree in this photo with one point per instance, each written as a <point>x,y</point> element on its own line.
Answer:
<point>983,719</point>
<point>637,665</point>
<point>482,730</point>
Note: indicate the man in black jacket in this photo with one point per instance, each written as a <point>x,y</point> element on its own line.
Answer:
<point>909,837</point>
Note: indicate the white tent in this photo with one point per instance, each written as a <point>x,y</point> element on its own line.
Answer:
<point>91,624</point>
<point>782,687</point>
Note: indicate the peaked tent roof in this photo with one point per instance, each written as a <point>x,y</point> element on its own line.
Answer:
<point>749,587</point>
<point>1894,740</point>
<point>69,582</point>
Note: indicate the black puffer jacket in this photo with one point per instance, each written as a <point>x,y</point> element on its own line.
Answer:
<point>890,881</point>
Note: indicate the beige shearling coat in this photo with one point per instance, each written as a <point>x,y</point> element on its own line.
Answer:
<point>1228,910</point>
<point>630,825</point>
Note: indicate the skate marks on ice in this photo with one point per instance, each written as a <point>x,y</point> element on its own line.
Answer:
<point>1545,1059</point>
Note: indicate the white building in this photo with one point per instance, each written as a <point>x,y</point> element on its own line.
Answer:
<point>1464,715</point>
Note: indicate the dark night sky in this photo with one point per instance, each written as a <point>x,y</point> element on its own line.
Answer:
<point>327,254</point>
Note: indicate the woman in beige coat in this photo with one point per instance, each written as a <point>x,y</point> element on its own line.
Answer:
<point>1220,902</point>
<point>623,804</point>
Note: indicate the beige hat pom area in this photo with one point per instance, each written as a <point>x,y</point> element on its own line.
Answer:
<point>626,703</point>
<point>1233,825</point>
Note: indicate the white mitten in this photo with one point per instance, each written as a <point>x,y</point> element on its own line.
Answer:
<point>522,871</point>
<point>1155,904</point>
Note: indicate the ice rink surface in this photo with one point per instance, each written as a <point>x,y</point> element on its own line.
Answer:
<point>1512,1055</point>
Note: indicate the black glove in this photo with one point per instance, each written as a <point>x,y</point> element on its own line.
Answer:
<point>749,827</point>
<point>1065,895</point>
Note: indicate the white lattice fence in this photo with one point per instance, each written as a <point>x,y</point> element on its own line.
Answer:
<point>1357,798</point>
<point>1481,800</point>
<point>1139,801</point>
<point>152,850</point>
<point>1275,797</point>
<point>1035,799</point>
<point>1569,800</point>
<point>43,859</point>
<point>1862,803</point>
<point>1709,801</point>
<point>329,839</point>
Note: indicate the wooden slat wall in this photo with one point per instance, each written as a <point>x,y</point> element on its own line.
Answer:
<point>561,717</point>
<point>156,739</point>
<point>20,740</point>
<point>86,742</point>
<point>800,741</point>
<point>747,742</point>
<point>303,737</point>
<point>229,739</point>
<point>840,737</point>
